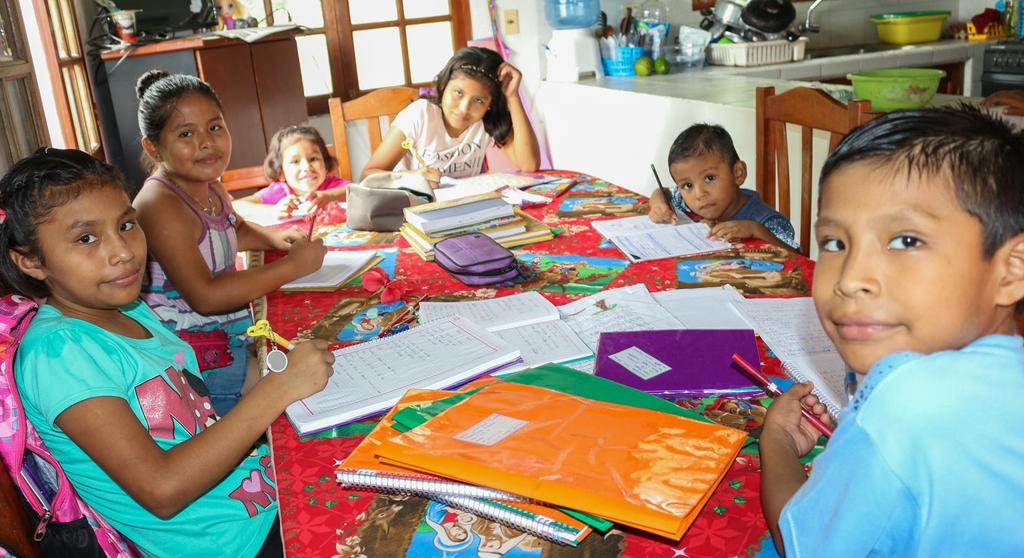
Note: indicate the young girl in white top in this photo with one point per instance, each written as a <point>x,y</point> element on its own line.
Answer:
<point>194,234</point>
<point>477,104</point>
<point>115,395</point>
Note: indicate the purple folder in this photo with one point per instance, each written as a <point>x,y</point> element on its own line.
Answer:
<point>678,362</point>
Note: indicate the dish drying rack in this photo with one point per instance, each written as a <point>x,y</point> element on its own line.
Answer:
<point>757,54</point>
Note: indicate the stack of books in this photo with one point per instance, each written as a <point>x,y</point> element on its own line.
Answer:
<point>487,213</point>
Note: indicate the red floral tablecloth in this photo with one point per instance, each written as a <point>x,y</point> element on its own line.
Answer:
<point>321,519</point>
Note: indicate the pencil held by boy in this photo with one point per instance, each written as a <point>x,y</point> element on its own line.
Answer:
<point>116,396</point>
<point>476,104</point>
<point>919,281</point>
<point>707,173</point>
<point>300,170</point>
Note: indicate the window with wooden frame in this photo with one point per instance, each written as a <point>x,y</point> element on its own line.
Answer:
<point>64,57</point>
<point>353,46</point>
<point>22,127</point>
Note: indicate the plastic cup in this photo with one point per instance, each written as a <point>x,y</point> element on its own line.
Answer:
<point>124,25</point>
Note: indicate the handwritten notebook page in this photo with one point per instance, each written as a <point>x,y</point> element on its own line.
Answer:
<point>790,327</point>
<point>628,225</point>
<point>338,267</point>
<point>629,308</point>
<point>494,314</point>
<point>679,240</point>
<point>707,308</point>
<point>544,343</point>
<point>371,377</point>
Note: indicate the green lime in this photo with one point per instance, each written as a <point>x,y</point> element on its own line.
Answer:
<point>643,66</point>
<point>661,65</point>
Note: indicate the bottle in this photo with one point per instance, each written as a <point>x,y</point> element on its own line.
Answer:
<point>571,14</point>
<point>653,13</point>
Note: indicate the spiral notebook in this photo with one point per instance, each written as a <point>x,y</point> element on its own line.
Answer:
<point>371,377</point>
<point>360,470</point>
<point>791,329</point>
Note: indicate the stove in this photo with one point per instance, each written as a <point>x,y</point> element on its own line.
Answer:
<point>1003,67</point>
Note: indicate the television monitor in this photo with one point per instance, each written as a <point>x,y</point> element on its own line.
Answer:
<point>164,17</point>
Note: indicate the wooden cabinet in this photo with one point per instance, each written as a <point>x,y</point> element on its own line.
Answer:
<point>259,85</point>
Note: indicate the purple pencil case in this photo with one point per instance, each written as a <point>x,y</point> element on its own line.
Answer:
<point>476,259</point>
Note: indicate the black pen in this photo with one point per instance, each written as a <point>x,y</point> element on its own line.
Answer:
<point>664,191</point>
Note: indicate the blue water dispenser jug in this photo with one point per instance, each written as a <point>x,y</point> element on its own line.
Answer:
<point>572,51</point>
<point>571,14</point>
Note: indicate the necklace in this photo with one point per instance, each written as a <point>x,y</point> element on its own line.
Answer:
<point>209,199</point>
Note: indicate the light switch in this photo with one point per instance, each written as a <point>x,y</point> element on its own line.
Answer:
<point>511,19</point>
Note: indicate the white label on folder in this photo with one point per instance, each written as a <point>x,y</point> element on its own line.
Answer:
<point>640,363</point>
<point>491,430</point>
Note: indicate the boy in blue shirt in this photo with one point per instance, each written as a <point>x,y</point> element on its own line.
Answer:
<point>920,275</point>
<point>708,174</point>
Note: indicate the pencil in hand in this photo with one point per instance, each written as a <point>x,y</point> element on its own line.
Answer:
<point>771,389</point>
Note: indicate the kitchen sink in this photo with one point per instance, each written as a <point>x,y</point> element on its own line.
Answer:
<point>852,50</point>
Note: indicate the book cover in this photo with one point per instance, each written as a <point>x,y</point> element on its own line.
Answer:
<point>645,469</point>
<point>678,362</point>
<point>361,470</point>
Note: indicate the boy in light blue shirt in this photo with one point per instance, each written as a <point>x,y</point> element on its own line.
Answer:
<point>920,275</point>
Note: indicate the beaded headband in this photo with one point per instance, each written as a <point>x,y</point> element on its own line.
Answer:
<point>474,69</point>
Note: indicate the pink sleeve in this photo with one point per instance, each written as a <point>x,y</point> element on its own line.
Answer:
<point>332,182</point>
<point>274,193</point>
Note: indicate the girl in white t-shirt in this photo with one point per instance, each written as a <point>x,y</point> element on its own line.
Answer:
<point>477,104</point>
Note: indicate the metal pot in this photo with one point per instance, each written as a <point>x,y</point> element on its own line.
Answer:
<point>768,16</point>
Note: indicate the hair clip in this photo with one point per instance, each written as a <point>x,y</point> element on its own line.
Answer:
<point>477,70</point>
<point>3,215</point>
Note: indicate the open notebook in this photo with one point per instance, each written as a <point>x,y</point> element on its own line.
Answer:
<point>339,267</point>
<point>641,240</point>
<point>371,377</point>
<point>790,328</point>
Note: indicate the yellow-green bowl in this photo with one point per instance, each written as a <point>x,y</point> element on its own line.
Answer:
<point>896,88</point>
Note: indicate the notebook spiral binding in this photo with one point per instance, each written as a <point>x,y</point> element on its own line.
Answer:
<point>398,483</point>
<point>478,500</point>
<point>833,408</point>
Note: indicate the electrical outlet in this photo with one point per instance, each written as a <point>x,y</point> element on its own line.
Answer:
<point>511,19</point>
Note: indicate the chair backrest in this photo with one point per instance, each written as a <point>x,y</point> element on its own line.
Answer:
<point>811,109</point>
<point>371,107</point>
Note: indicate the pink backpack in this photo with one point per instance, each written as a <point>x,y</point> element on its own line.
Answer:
<point>67,525</point>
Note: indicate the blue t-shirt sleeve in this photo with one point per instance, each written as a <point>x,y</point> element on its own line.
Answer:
<point>781,228</point>
<point>851,505</point>
<point>64,367</point>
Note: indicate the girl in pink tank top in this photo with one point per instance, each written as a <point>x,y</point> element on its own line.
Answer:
<point>194,234</point>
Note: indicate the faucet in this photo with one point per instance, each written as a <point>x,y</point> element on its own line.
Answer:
<point>807,26</point>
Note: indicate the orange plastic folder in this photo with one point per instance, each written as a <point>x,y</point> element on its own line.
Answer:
<point>366,472</point>
<point>646,469</point>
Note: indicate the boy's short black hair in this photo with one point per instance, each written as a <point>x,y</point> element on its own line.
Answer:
<point>701,139</point>
<point>980,154</point>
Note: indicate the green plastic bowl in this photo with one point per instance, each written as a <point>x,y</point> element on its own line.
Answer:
<point>896,88</point>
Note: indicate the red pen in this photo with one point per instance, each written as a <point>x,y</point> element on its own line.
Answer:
<point>771,389</point>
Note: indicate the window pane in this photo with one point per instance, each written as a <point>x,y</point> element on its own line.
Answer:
<point>23,131</point>
<point>314,65</point>
<point>73,108</point>
<point>378,58</point>
<point>58,30</point>
<point>304,12</point>
<point>424,8</point>
<point>430,47</point>
<point>9,47</point>
<point>369,11</point>
<point>88,123</point>
<point>256,10</point>
<point>68,19</point>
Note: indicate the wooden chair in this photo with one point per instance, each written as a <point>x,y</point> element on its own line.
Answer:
<point>371,107</point>
<point>15,528</point>
<point>811,109</point>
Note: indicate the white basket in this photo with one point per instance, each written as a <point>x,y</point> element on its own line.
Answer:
<point>757,54</point>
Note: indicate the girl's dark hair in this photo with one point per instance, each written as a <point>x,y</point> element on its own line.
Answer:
<point>701,139</point>
<point>30,191</point>
<point>158,92</point>
<point>286,136</point>
<point>482,65</point>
